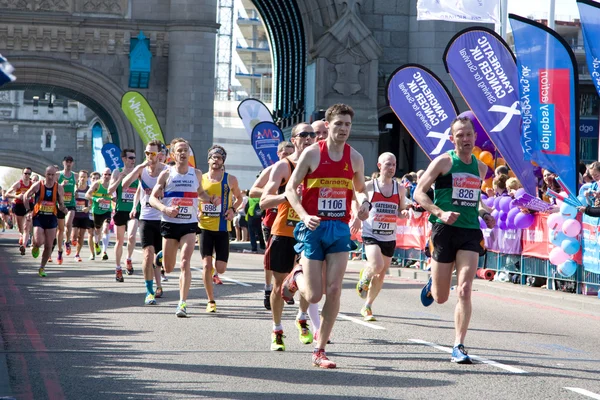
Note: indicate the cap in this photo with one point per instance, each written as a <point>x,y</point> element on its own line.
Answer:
<point>68,158</point>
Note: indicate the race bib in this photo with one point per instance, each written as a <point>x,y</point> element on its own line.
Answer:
<point>210,210</point>
<point>68,197</point>
<point>385,219</point>
<point>128,194</point>
<point>292,217</point>
<point>104,204</point>
<point>185,207</point>
<point>47,207</point>
<point>465,189</point>
<point>332,202</point>
<point>79,205</point>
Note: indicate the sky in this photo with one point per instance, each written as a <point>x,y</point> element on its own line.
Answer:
<point>564,9</point>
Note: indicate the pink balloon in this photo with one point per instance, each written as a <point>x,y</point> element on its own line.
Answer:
<point>555,221</point>
<point>558,256</point>
<point>571,228</point>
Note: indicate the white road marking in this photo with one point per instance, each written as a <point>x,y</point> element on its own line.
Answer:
<point>584,392</point>
<point>360,322</point>
<point>480,359</point>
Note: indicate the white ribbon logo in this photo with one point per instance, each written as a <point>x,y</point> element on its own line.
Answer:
<point>509,112</point>
<point>444,137</point>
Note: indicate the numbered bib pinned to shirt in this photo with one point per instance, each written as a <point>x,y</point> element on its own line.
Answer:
<point>210,210</point>
<point>128,194</point>
<point>185,207</point>
<point>332,202</point>
<point>465,189</point>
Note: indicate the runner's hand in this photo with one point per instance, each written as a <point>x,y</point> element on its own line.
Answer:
<point>132,214</point>
<point>355,225</point>
<point>449,217</point>
<point>363,211</point>
<point>215,200</point>
<point>171,211</point>
<point>404,214</point>
<point>229,214</point>
<point>311,222</point>
<point>490,222</point>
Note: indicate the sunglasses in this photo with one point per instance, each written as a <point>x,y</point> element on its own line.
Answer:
<point>26,173</point>
<point>151,153</point>
<point>304,135</point>
<point>131,158</point>
<point>106,174</point>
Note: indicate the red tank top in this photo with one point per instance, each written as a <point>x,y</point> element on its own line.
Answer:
<point>269,218</point>
<point>22,189</point>
<point>328,190</point>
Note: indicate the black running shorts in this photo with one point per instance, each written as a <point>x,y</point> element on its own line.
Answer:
<point>169,230</point>
<point>121,218</point>
<point>100,218</point>
<point>216,242</point>
<point>83,223</point>
<point>150,235</point>
<point>447,240</point>
<point>280,254</point>
<point>387,248</point>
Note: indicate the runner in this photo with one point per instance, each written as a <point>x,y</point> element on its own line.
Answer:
<point>147,173</point>
<point>67,179</point>
<point>280,256</point>
<point>82,221</point>
<point>284,149</point>
<point>48,200</point>
<point>16,192</point>
<point>379,230</point>
<point>180,188</point>
<point>320,129</point>
<point>94,177</point>
<point>124,218</point>
<point>102,209</point>
<point>456,235</point>
<point>4,212</point>
<point>329,171</point>
<point>215,221</point>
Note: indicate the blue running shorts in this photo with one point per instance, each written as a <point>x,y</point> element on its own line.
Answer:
<point>331,236</point>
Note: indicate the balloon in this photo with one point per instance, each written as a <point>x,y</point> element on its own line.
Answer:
<point>556,238</point>
<point>582,199</point>
<point>489,202</point>
<point>502,224</point>
<point>571,228</point>
<point>489,174</point>
<point>502,215</point>
<point>490,164</point>
<point>557,256</point>
<point>497,203</point>
<point>500,161</point>
<point>520,192</point>
<point>486,157</point>
<point>495,214</point>
<point>505,203</point>
<point>555,221</point>
<point>512,213</point>
<point>488,146</point>
<point>510,224</point>
<point>567,268</point>
<point>483,196</point>
<point>476,151</point>
<point>567,211</point>
<point>482,224</point>
<point>583,188</point>
<point>523,221</point>
<point>570,246</point>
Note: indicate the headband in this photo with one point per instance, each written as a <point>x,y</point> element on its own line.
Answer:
<point>219,151</point>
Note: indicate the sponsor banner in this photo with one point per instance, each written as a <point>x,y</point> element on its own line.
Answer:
<point>142,117</point>
<point>6,71</point>
<point>112,156</point>
<point>459,11</point>
<point>490,239</point>
<point>252,112</point>
<point>265,138</point>
<point>510,241</point>
<point>485,72</point>
<point>591,244</point>
<point>424,106</point>
<point>413,232</point>
<point>548,82</point>
<point>536,242</point>
<point>588,127</point>
<point>589,13</point>
<point>97,144</point>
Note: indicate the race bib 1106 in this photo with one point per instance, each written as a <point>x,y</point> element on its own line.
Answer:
<point>332,203</point>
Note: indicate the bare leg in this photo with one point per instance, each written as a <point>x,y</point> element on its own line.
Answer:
<point>336,267</point>
<point>466,266</point>
<point>187,243</point>
<point>120,232</point>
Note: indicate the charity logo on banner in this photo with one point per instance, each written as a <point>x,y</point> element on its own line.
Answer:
<point>459,11</point>
<point>548,83</point>
<point>485,72</point>
<point>112,156</point>
<point>142,117</point>
<point>253,112</point>
<point>266,137</point>
<point>424,106</point>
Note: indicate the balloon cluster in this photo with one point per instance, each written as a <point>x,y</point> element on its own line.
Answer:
<point>506,213</point>
<point>564,231</point>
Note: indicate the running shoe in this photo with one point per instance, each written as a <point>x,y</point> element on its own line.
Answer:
<point>92,257</point>
<point>289,287</point>
<point>163,277</point>
<point>119,275</point>
<point>59,259</point>
<point>42,272</point>
<point>78,258</point>
<point>29,242</point>
<point>74,243</point>
<point>290,302</point>
<point>158,293</point>
<point>21,241</point>
<point>319,359</point>
<point>267,300</point>
<point>50,259</point>
<point>367,314</point>
<point>68,248</point>
<point>22,250</point>
<point>158,259</point>
<point>362,286</point>
<point>217,280</point>
<point>181,310</point>
<point>277,343</point>
<point>426,297</point>
<point>104,256</point>
<point>35,251</point>
<point>304,333</point>
<point>211,307</point>
<point>460,355</point>
<point>98,249</point>
<point>150,301</point>
<point>129,267</point>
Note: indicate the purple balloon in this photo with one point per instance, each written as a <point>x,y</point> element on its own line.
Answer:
<point>483,196</point>
<point>511,224</point>
<point>502,215</point>
<point>482,224</point>
<point>523,221</point>
<point>497,203</point>
<point>489,202</point>
<point>512,213</point>
<point>495,214</point>
<point>519,192</point>
<point>505,203</point>
<point>502,225</point>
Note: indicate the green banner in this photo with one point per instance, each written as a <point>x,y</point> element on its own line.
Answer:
<point>142,117</point>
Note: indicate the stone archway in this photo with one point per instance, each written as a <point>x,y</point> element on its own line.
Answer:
<point>86,85</point>
<point>20,160</point>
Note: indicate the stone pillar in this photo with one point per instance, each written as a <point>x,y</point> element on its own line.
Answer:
<point>190,101</point>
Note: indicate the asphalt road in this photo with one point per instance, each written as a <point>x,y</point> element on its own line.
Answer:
<point>78,334</point>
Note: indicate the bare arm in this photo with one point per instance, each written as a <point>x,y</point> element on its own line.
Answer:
<point>31,192</point>
<point>270,198</point>
<point>308,161</point>
<point>12,192</point>
<point>484,211</point>
<point>89,194</point>
<point>60,199</point>
<point>237,193</point>
<point>115,179</point>
<point>133,175</point>
<point>358,181</point>
<point>441,165</point>
<point>259,185</point>
<point>157,190</point>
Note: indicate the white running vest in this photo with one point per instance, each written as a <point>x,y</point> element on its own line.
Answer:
<point>148,213</point>
<point>381,224</point>
<point>181,191</point>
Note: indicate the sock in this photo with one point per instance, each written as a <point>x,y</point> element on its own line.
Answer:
<point>104,243</point>
<point>302,316</point>
<point>268,288</point>
<point>181,302</point>
<point>367,305</point>
<point>277,327</point>
<point>118,268</point>
<point>150,287</point>
<point>315,318</point>
<point>53,245</point>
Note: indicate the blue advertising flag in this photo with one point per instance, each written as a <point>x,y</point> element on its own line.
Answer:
<point>112,156</point>
<point>266,136</point>
<point>485,72</point>
<point>97,157</point>
<point>424,106</point>
<point>589,12</point>
<point>548,84</point>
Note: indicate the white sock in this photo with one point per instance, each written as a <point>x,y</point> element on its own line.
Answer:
<point>105,242</point>
<point>313,314</point>
<point>302,316</point>
<point>268,287</point>
<point>277,327</point>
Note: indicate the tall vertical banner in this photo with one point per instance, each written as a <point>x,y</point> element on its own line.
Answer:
<point>6,71</point>
<point>266,137</point>
<point>424,106</point>
<point>589,13</point>
<point>97,157</point>
<point>252,112</point>
<point>548,85</point>
<point>459,11</point>
<point>485,72</point>
<point>112,156</point>
<point>142,117</point>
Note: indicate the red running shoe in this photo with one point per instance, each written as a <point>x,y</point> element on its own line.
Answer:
<point>59,260</point>
<point>217,280</point>
<point>319,359</point>
<point>119,276</point>
<point>68,248</point>
<point>289,287</point>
